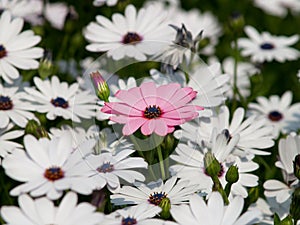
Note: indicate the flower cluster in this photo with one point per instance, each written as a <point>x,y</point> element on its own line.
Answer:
<point>152,112</point>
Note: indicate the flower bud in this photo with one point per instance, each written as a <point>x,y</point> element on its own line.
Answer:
<point>100,86</point>
<point>34,128</point>
<point>294,207</point>
<point>211,164</point>
<point>297,166</point>
<point>46,66</point>
<point>236,22</point>
<point>287,221</point>
<point>232,175</point>
<point>165,205</point>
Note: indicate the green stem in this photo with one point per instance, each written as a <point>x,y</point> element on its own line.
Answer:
<point>218,187</point>
<point>161,162</point>
<point>235,88</point>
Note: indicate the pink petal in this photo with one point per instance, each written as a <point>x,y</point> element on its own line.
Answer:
<point>181,93</point>
<point>133,124</point>
<point>170,129</point>
<point>149,92</point>
<point>120,108</point>
<point>119,119</point>
<point>161,127</point>
<point>148,127</point>
<point>167,91</point>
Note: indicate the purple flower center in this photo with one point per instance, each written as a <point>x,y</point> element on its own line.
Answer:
<point>60,102</point>
<point>275,116</point>
<point>152,112</point>
<point>156,198</point>
<point>131,38</point>
<point>129,221</point>
<point>105,168</point>
<point>267,46</point>
<point>54,173</point>
<point>5,103</point>
<point>3,52</point>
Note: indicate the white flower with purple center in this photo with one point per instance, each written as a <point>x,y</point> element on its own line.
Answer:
<point>177,191</point>
<point>190,164</point>
<point>7,145</point>
<point>17,48</point>
<point>266,47</point>
<point>14,107</point>
<point>279,112</point>
<point>139,215</point>
<point>255,133</point>
<point>107,169</point>
<point>48,167</point>
<point>58,99</point>
<point>43,211</point>
<point>135,35</point>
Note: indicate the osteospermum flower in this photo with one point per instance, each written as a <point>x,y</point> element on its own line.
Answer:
<point>135,35</point>
<point>107,169</point>
<point>17,49</point>
<point>48,167</point>
<point>255,133</point>
<point>139,215</point>
<point>14,107</point>
<point>266,47</point>
<point>7,144</point>
<point>190,164</point>
<point>198,212</point>
<point>58,99</point>
<point>279,112</point>
<point>278,7</point>
<point>177,191</point>
<point>154,109</point>
<point>43,211</point>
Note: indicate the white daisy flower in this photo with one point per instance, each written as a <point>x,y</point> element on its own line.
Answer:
<point>177,192</point>
<point>244,72</point>
<point>195,22</point>
<point>98,3</point>
<point>210,84</point>
<point>254,133</point>
<point>279,112</point>
<point>140,215</point>
<point>278,7</point>
<point>27,9</point>
<point>135,35</point>
<point>58,99</point>
<point>6,137</point>
<point>106,140</point>
<point>191,165</point>
<point>266,47</point>
<point>17,49</point>
<point>48,167</point>
<point>43,211</point>
<point>14,107</point>
<point>288,149</point>
<point>198,212</point>
<point>107,169</point>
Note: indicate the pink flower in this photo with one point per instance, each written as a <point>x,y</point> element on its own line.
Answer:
<point>154,109</point>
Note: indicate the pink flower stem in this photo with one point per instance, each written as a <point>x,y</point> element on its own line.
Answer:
<point>161,162</point>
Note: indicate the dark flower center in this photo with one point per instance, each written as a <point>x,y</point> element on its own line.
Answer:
<point>221,172</point>
<point>152,112</point>
<point>5,103</point>
<point>275,116</point>
<point>129,221</point>
<point>267,46</point>
<point>3,52</point>
<point>156,198</point>
<point>60,102</point>
<point>105,168</point>
<point>54,173</point>
<point>131,38</point>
